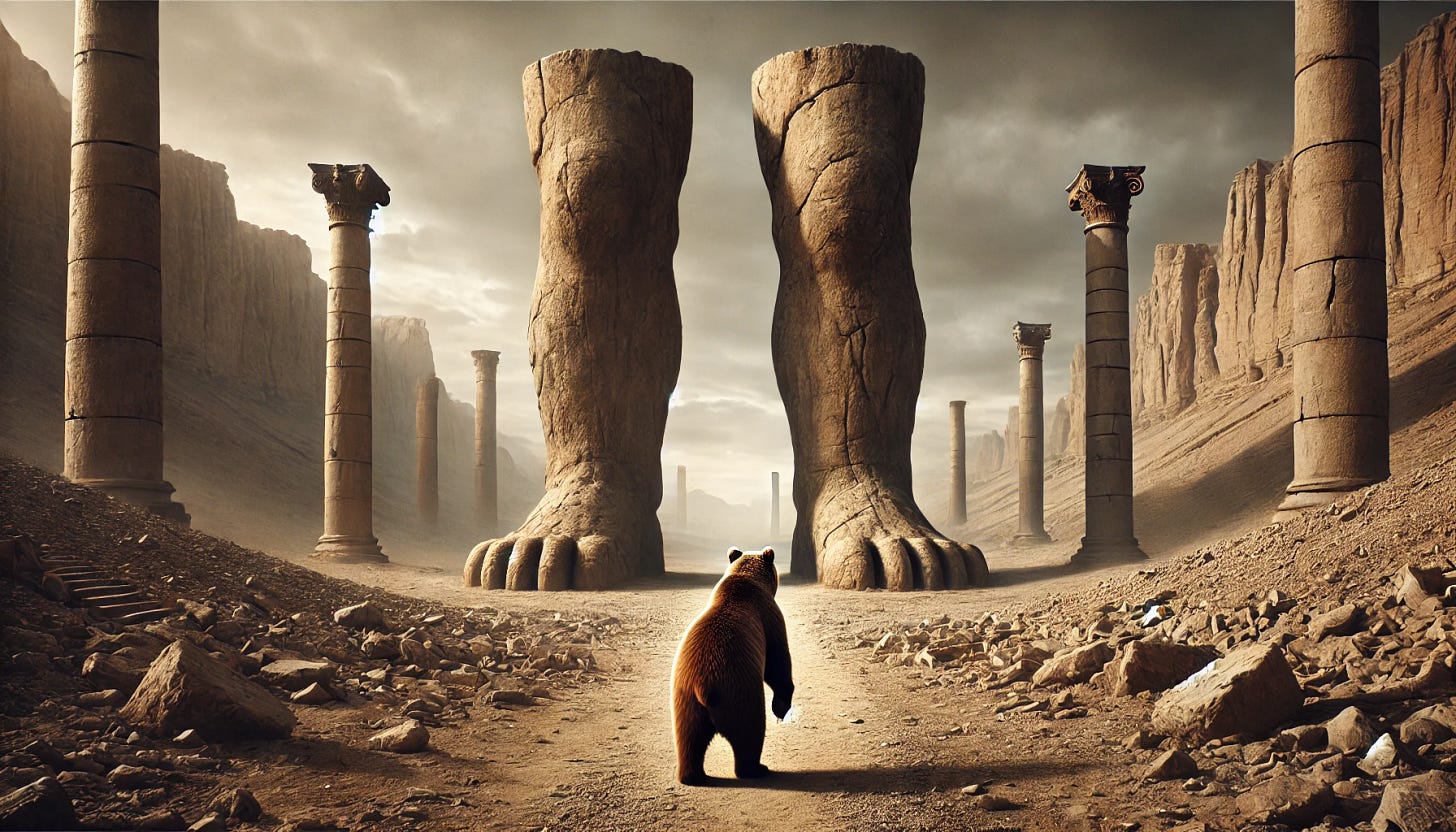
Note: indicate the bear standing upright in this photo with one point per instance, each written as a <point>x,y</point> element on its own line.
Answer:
<point>738,644</point>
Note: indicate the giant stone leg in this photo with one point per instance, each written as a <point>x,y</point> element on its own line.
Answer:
<point>609,135</point>
<point>838,130</point>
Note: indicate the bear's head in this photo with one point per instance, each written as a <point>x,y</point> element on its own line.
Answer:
<point>758,566</point>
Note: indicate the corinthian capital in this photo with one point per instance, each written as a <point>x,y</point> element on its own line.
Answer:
<point>351,192</point>
<point>485,363</point>
<point>1031,338</point>
<point>1104,194</point>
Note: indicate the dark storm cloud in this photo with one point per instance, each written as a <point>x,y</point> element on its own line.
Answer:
<point>1017,97</point>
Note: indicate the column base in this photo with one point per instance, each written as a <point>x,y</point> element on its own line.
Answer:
<point>155,497</point>
<point>1298,502</point>
<point>345,548</point>
<point>1100,551</point>
<point>1031,538</point>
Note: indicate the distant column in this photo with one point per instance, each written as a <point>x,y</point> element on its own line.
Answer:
<point>351,193</point>
<point>1104,195</point>
<point>773,523</point>
<point>958,462</point>
<point>487,508</point>
<point>113,434</point>
<point>682,496</point>
<point>427,437</point>
<point>1031,344</point>
<point>1337,250</point>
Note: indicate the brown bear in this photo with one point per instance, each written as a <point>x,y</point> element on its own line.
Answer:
<point>735,646</point>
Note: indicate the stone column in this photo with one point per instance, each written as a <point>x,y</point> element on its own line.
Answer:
<point>773,524</point>
<point>487,507</point>
<point>957,462</point>
<point>1031,343</point>
<point>113,435</point>
<point>351,193</point>
<point>1104,195</point>
<point>427,438</point>
<point>1337,251</point>
<point>682,496</point>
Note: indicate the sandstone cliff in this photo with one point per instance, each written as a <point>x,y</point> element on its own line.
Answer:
<point>244,367</point>
<point>1243,305</point>
<point>984,453</point>
<point>1059,426</point>
<point>1011,457</point>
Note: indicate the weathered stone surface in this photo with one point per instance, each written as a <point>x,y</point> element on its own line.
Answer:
<point>1155,665</point>
<point>1433,724</point>
<point>1172,341</point>
<point>1173,764</point>
<point>112,672</point>
<point>1249,691</point>
<point>187,688</point>
<point>296,674</point>
<point>1294,801</point>
<point>1340,621</point>
<point>609,135</point>
<point>314,694</point>
<point>362,616</point>
<point>1074,665</point>
<point>41,805</point>
<point>409,737</point>
<point>1350,731</point>
<point>848,333</point>
<point>1418,804</point>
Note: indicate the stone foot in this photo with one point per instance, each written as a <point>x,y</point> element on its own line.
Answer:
<point>583,534</point>
<point>869,536</point>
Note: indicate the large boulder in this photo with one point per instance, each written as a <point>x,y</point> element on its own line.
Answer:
<point>1423,803</point>
<point>409,737</point>
<point>362,616</point>
<point>1069,667</point>
<point>41,805</point>
<point>187,688</point>
<point>1156,665</point>
<point>1250,691</point>
<point>1351,731</point>
<point>1287,799</point>
<point>297,674</point>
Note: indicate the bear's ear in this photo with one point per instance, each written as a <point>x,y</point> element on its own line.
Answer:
<point>734,554</point>
<point>767,554</point>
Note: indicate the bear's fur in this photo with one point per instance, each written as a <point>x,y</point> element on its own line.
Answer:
<point>735,646</point>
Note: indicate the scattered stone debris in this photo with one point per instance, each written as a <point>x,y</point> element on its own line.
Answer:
<point>188,689</point>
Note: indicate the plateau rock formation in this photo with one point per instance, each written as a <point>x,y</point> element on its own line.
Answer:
<point>1242,305</point>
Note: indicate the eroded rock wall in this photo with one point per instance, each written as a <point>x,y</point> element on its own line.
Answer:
<point>1166,341</point>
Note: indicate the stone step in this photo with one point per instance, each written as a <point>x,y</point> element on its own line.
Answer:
<point>91,583</point>
<point>127,594</point>
<point>142,616</point>
<point>123,608</point>
<point>76,571</point>
<point>101,594</point>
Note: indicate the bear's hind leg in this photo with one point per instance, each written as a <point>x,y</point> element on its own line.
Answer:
<point>693,730</point>
<point>746,737</point>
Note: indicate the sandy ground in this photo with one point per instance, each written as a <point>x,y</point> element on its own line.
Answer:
<point>867,747</point>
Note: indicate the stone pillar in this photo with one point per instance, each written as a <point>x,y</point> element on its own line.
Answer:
<point>773,523</point>
<point>1337,251</point>
<point>682,496</point>
<point>957,462</point>
<point>487,507</point>
<point>1104,195</point>
<point>427,438</point>
<point>1031,343</point>
<point>351,193</point>
<point>113,381</point>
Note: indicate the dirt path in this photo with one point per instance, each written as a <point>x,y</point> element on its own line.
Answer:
<point>869,746</point>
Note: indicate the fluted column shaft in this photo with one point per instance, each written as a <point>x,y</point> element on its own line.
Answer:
<point>113,383</point>
<point>1103,195</point>
<point>1031,345</point>
<point>351,193</point>
<point>487,507</point>
<point>957,462</point>
<point>427,440</point>
<point>1337,251</point>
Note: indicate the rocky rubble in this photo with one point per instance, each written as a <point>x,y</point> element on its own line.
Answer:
<point>1283,710</point>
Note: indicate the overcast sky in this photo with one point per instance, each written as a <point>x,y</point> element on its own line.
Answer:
<point>1017,97</point>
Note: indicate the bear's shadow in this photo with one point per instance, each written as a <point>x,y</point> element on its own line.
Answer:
<point>896,779</point>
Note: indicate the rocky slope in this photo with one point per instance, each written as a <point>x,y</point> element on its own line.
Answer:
<point>243,316</point>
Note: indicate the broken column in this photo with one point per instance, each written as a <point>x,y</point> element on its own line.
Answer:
<point>838,133</point>
<point>427,440</point>
<point>1104,195</point>
<point>1337,252</point>
<point>113,434</point>
<point>487,507</point>
<point>1031,343</point>
<point>682,496</point>
<point>773,523</point>
<point>958,462</point>
<point>351,193</point>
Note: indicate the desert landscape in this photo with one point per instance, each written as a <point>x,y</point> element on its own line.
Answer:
<point>372,602</point>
